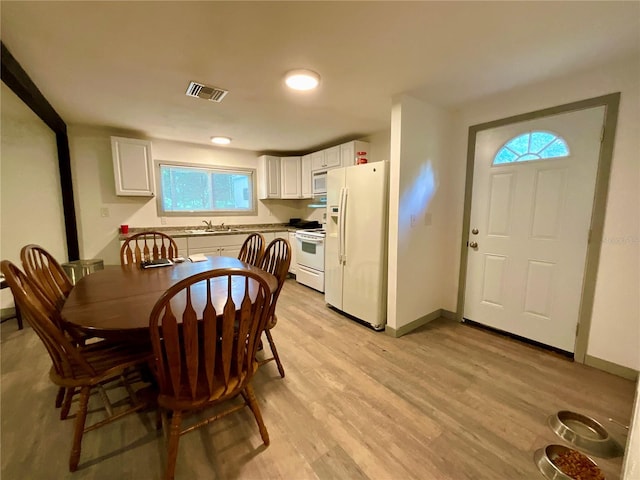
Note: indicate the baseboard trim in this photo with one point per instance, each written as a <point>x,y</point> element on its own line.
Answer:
<point>409,327</point>
<point>7,313</point>
<point>610,367</point>
<point>448,315</point>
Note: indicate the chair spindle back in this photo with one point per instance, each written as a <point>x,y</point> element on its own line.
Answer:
<point>147,246</point>
<point>45,320</point>
<point>252,249</point>
<point>202,350</point>
<point>46,273</point>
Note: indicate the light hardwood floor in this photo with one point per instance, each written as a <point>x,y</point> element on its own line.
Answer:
<point>448,401</point>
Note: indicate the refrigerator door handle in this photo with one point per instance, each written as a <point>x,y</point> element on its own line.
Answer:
<point>343,228</point>
<point>340,226</point>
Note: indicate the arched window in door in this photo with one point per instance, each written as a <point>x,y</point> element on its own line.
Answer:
<point>531,146</point>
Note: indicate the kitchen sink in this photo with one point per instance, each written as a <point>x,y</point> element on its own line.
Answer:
<point>211,232</point>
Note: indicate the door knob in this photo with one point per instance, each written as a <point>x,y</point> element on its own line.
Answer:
<point>474,231</point>
<point>473,244</point>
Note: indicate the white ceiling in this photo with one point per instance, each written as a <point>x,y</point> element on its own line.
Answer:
<point>128,64</point>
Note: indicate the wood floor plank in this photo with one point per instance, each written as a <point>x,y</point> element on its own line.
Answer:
<point>447,401</point>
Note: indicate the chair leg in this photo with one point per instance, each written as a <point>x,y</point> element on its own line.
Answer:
<point>66,404</point>
<point>60,397</point>
<point>274,351</point>
<point>250,398</point>
<point>172,448</point>
<point>107,404</point>
<point>19,318</point>
<point>81,417</point>
<point>159,423</point>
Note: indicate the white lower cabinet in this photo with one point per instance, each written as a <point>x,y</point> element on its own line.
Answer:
<point>181,243</point>
<point>222,245</point>
<point>227,245</point>
<point>294,262</point>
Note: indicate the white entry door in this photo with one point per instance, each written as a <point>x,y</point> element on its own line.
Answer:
<point>532,199</point>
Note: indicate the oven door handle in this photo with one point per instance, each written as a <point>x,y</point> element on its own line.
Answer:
<point>306,238</point>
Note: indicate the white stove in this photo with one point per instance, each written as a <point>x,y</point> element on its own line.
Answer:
<point>310,257</point>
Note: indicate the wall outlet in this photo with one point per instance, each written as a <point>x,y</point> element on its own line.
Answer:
<point>163,220</point>
<point>427,219</point>
<point>104,212</point>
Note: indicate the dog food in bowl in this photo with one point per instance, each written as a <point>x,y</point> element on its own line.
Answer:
<point>577,466</point>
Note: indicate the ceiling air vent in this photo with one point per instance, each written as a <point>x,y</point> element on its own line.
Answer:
<point>206,92</point>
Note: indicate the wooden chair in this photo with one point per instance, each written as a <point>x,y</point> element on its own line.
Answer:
<point>204,357</point>
<point>17,315</point>
<point>252,249</point>
<point>48,275</point>
<point>50,278</point>
<point>147,245</point>
<point>75,366</point>
<point>275,260</point>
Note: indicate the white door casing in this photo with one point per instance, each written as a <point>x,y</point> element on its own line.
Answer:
<point>526,274</point>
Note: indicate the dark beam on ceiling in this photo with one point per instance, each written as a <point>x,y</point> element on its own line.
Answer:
<point>14,76</point>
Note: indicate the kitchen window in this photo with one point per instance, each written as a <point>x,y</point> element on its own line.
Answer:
<point>199,190</point>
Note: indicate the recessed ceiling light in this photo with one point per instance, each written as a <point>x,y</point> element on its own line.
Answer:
<point>221,140</point>
<point>302,79</point>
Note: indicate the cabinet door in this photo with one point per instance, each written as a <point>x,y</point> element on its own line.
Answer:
<point>349,152</point>
<point>269,177</point>
<point>332,157</point>
<point>230,251</point>
<point>290,186</point>
<point>294,263</point>
<point>305,177</point>
<point>132,167</point>
<point>317,161</point>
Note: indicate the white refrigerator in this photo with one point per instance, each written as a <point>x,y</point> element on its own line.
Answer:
<point>356,242</point>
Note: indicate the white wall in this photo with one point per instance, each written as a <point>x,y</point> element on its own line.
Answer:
<point>631,466</point>
<point>379,146</point>
<point>615,328</point>
<point>30,196</point>
<point>417,209</point>
<point>94,190</point>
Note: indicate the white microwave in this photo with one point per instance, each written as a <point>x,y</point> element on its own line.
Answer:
<point>319,183</point>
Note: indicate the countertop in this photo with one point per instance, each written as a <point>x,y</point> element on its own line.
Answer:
<point>181,232</point>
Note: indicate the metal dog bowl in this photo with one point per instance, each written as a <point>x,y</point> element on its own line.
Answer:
<point>544,458</point>
<point>585,434</point>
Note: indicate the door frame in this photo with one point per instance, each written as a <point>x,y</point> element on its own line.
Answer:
<point>611,102</point>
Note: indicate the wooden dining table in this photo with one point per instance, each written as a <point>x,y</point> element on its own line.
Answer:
<point>115,303</point>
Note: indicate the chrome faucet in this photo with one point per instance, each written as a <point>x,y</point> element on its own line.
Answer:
<point>209,225</point>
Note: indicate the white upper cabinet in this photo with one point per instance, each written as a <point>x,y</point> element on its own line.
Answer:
<point>339,156</point>
<point>349,152</point>
<point>290,179</point>
<point>317,161</point>
<point>325,159</point>
<point>305,176</point>
<point>332,157</point>
<point>269,177</point>
<point>132,167</point>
